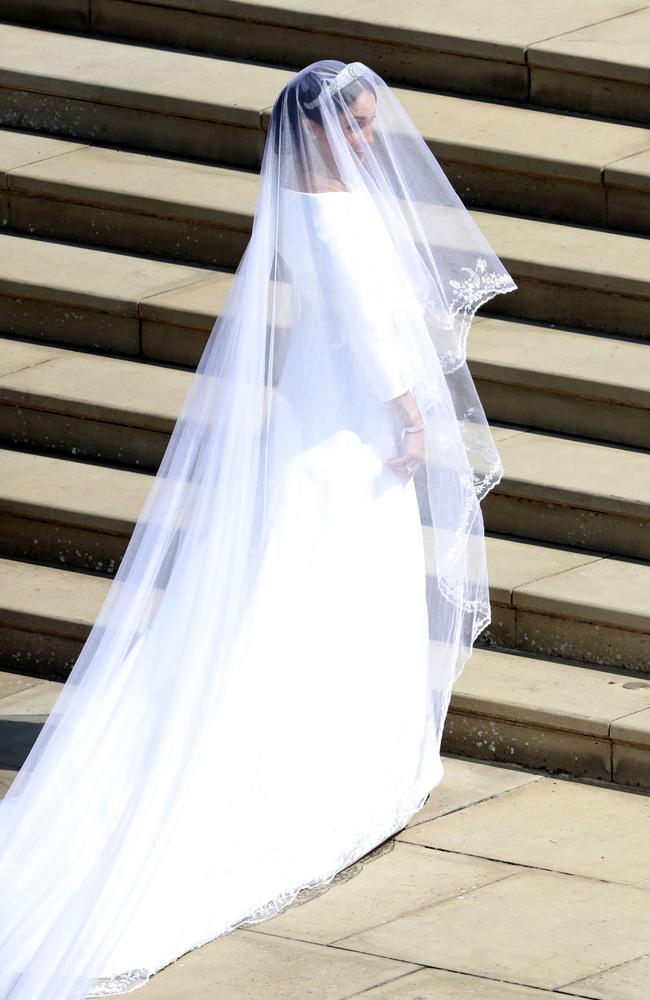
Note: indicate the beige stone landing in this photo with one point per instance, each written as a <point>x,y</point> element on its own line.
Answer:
<point>506,886</point>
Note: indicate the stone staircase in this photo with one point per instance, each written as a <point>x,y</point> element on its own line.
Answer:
<point>129,151</point>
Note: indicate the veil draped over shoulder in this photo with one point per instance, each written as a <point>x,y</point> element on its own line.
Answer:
<point>185,715</point>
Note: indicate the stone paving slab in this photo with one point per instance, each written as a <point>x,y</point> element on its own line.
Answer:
<point>388,885</point>
<point>436,984</point>
<point>261,967</point>
<point>580,927</point>
<point>563,826</point>
<point>494,852</point>
<point>627,981</point>
<point>466,782</point>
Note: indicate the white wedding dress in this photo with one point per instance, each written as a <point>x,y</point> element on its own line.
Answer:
<point>322,746</point>
<point>262,697</point>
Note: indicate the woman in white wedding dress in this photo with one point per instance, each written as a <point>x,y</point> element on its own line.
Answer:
<point>262,697</point>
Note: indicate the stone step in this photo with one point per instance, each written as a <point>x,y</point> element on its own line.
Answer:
<point>571,275</point>
<point>547,600</point>
<point>554,489</point>
<point>573,492</point>
<point>599,174</point>
<point>129,95</point>
<point>109,302</point>
<point>69,402</point>
<point>119,410</point>
<point>562,379</point>
<point>590,57</point>
<point>46,614</point>
<point>586,721</point>
<point>553,601</point>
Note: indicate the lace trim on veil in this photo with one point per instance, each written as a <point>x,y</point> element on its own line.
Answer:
<point>468,296</point>
<point>125,982</point>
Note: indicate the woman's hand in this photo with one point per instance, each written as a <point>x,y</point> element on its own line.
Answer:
<point>411,457</point>
<point>411,443</point>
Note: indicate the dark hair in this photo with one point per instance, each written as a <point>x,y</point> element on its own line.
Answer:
<point>305,89</point>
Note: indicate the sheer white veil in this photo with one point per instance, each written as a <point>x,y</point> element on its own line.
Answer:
<point>85,820</point>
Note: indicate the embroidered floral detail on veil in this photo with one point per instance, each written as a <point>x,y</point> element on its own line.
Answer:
<point>480,286</point>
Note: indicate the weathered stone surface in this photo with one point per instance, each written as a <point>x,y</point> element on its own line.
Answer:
<point>559,825</point>
<point>582,926</point>
<point>384,886</point>
<point>246,965</point>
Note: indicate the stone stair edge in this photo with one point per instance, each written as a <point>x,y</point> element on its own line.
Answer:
<point>501,697</point>
<point>612,262</point>
<point>67,507</point>
<point>244,112</point>
<point>31,357</point>
<point>358,26</point>
<point>623,164</point>
<point>527,480</point>
<point>549,669</point>
<point>166,275</point>
<point>580,719</point>
<point>87,587</point>
<point>40,172</point>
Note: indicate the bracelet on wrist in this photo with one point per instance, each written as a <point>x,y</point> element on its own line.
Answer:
<point>412,429</point>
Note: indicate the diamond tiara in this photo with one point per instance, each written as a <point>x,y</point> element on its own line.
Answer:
<point>342,78</point>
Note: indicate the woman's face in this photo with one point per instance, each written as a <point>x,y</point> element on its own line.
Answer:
<point>364,110</point>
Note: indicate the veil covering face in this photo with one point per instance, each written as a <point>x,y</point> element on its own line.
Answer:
<point>358,285</point>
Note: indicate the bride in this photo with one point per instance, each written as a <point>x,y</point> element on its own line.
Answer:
<point>302,588</point>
